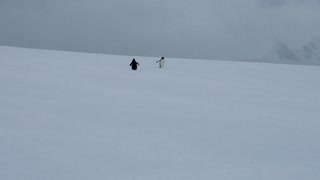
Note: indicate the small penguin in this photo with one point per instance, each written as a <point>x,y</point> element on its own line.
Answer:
<point>161,62</point>
<point>134,64</point>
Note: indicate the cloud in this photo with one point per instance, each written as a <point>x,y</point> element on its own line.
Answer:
<point>272,3</point>
<point>277,3</point>
<point>223,29</point>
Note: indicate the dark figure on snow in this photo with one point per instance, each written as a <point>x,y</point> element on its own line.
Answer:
<point>134,64</point>
<point>161,62</point>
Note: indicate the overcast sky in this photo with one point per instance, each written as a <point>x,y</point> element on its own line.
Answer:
<point>211,29</point>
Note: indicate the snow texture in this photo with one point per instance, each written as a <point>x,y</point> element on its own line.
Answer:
<point>84,116</point>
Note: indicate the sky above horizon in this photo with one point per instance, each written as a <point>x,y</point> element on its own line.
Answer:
<point>210,29</point>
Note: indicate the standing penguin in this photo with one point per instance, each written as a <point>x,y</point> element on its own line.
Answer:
<point>134,64</point>
<point>161,62</point>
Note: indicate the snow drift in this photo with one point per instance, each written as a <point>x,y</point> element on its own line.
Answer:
<point>88,116</point>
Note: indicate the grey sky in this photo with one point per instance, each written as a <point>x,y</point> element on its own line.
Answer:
<point>223,29</point>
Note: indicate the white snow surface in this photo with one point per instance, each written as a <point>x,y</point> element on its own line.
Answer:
<point>80,116</point>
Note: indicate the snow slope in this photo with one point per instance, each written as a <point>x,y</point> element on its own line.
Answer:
<point>83,116</point>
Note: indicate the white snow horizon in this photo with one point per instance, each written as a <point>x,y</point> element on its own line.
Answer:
<point>67,115</point>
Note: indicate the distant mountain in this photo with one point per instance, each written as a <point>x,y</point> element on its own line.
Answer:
<point>308,54</point>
